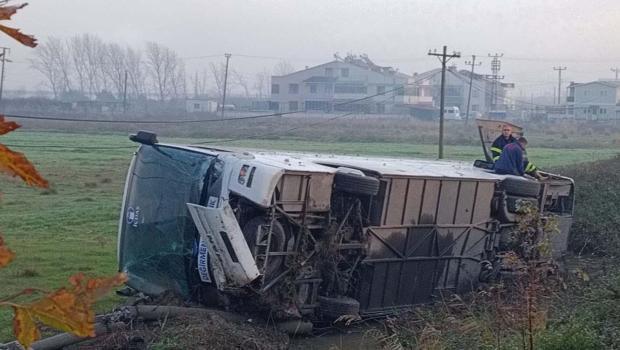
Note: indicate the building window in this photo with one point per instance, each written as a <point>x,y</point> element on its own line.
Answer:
<point>293,106</point>
<point>196,105</point>
<point>475,108</point>
<point>475,94</point>
<point>350,89</point>
<point>344,72</point>
<point>329,72</point>
<point>317,105</point>
<point>380,89</point>
<point>275,88</point>
<point>293,88</point>
<point>453,91</point>
<point>380,108</point>
<point>313,88</point>
<point>274,106</point>
<point>327,88</point>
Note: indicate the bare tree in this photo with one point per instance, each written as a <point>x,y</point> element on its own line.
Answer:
<point>218,71</point>
<point>80,62</point>
<point>283,68</point>
<point>165,70</point>
<point>240,80</point>
<point>44,63</point>
<point>261,83</point>
<point>179,80</point>
<point>52,59</point>
<point>114,67</point>
<point>136,70</point>
<point>200,83</point>
<point>90,51</point>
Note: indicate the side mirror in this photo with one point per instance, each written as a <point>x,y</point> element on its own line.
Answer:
<point>144,137</point>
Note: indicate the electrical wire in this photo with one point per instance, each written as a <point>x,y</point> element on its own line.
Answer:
<point>279,114</point>
<point>108,121</point>
<point>491,94</point>
<point>391,93</point>
<point>278,133</point>
<point>102,148</point>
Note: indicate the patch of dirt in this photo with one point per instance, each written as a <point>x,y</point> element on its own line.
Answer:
<point>211,332</point>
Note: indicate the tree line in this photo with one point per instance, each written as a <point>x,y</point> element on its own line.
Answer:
<point>87,65</point>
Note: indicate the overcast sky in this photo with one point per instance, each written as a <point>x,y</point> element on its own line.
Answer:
<point>534,35</point>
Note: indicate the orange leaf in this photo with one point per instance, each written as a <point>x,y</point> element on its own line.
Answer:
<point>68,309</point>
<point>24,327</point>
<point>6,255</point>
<point>16,164</point>
<point>25,39</point>
<point>7,11</point>
<point>6,127</point>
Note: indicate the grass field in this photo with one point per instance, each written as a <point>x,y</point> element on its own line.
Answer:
<point>72,227</point>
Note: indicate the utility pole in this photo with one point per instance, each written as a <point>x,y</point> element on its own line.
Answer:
<point>125,94</point>
<point>227,55</point>
<point>496,66</point>
<point>473,64</point>
<point>5,50</point>
<point>616,70</point>
<point>443,58</point>
<point>560,69</point>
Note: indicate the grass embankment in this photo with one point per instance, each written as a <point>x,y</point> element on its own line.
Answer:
<point>72,227</point>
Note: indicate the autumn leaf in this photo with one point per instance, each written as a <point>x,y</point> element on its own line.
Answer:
<point>68,309</point>
<point>24,327</point>
<point>6,127</point>
<point>5,13</point>
<point>16,164</point>
<point>6,255</point>
<point>16,34</point>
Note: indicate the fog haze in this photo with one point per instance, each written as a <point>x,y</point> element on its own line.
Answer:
<point>534,35</point>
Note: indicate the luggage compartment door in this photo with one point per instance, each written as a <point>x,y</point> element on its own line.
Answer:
<point>232,261</point>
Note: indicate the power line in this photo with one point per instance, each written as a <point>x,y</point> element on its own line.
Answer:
<point>227,55</point>
<point>260,116</point>
<point>490,94</point>
<point>5,50</point>
<point>69,147</point>
<point>559,69</point>
<point>258,136</point>
<point>473,64</point>
<point>392,93</point>
<point>125,121</point>
<point>443,58</point>
<point>496,66</point>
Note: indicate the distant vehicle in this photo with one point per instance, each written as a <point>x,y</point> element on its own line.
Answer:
<point>227,107</point>
<point>316,237</point>
<point>452,113</point>
<point>497,115</point>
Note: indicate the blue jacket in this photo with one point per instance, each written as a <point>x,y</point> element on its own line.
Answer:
<point>511,160</point>
<point>499,144</point>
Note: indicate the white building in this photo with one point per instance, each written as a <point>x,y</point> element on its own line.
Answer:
<point>328,86</point>
<point>424,91</point>
<point>195,105</point>
<point>596,100</point>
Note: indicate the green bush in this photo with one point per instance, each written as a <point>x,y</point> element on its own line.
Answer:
<point>597,207</point>
<point>572,336</point>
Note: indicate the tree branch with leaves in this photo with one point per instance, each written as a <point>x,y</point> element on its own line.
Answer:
<point>68,309</point>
